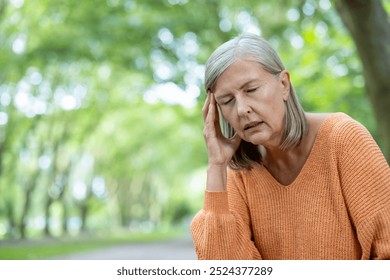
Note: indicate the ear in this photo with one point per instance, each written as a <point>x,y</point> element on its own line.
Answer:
<point>284,78</point>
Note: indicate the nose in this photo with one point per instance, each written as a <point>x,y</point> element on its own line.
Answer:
<point>243,107</point>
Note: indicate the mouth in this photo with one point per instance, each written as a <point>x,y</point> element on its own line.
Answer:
<point>252,125</point>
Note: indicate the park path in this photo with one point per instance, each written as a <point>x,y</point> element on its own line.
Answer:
<point>177,249</point>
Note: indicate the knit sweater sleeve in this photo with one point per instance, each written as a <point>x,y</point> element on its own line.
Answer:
<point>365,181</point>
<point>221,230</point>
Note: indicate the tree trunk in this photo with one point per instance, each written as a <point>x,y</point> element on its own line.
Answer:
<point>369,25</point>
<point>65,217</point>
<point>62,199</point>
<point>52,184</point>
<point>84,208</point>
<point>11,219</point>
<point>83,217</point>
<point>31,185</point>
<point>49,202</point>
<point>27,202</point>
<point>25,211</point>
<point>124,202</point>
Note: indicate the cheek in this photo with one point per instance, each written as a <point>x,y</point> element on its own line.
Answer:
<point>230,118</point>
<point>280,116</point>
<point>274,114</point>
<point>225,114</point>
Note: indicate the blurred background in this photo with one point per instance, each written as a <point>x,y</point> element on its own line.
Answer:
<point>100,108</point>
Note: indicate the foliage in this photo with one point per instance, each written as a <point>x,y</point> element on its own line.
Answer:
<point>100,101</point>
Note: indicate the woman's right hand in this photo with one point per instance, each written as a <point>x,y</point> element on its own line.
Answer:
<point>220,149</point>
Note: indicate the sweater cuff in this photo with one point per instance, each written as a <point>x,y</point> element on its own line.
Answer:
<point>216,202</point>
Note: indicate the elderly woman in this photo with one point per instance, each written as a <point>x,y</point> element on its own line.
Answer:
<point>283,183</point>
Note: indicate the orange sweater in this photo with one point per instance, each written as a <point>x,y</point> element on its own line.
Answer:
<point>337,208</point>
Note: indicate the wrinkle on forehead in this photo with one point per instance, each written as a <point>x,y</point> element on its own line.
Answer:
<point>235,78</point>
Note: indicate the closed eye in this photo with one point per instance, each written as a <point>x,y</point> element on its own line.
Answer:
<point>227,101</point>
<point>251,89</point>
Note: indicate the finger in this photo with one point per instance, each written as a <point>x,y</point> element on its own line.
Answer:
<point>205,108</point>
<point>214,107</point>
<point>210,117</point>
<point>214,115</point>
<point>212,127</point>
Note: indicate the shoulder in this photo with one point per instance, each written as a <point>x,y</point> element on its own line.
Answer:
<point>352,142</point>
<point>344,130</point>
<point>340,127</point>
<point>331,120</point>
<point>331,123</point>
<point>331,128</point>
<point>344,137</point>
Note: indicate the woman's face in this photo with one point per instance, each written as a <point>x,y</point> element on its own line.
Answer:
<point>252,101</point>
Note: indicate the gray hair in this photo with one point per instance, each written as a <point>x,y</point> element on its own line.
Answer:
<point>253,47</point>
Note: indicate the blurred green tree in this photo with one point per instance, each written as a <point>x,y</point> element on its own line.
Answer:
<point>369,25</point>
<point>100,102</point>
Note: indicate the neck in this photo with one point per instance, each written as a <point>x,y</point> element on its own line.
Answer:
<point>280,159</point>
<point>284,165</point>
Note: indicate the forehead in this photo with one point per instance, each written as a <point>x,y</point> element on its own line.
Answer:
<point>240,73</point>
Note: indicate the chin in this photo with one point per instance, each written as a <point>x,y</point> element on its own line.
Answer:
<point>257,141</point>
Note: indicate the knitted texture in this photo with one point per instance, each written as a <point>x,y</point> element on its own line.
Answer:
<point>337,208</point>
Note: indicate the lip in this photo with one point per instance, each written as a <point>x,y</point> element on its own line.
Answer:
<point>251,125</point>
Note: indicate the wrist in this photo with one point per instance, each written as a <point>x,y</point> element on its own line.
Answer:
<point>216,177</point>
<point>217,165</point>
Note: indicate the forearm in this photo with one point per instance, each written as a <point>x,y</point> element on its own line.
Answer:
<point>216,178</point>
<point>219,233</point>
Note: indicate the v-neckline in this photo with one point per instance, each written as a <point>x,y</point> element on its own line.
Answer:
<point>308,161</point>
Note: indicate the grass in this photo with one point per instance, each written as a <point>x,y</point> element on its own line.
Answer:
<point>49,248</point>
